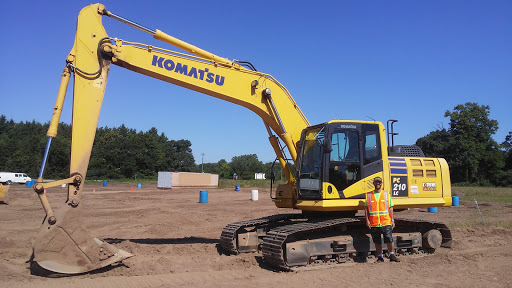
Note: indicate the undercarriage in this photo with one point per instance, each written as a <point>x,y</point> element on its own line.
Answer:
<point>293,240</point>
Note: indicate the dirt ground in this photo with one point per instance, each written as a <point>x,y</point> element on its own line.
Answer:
<point>174,239</point>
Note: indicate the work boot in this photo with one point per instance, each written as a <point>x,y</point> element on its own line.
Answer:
<point>380,259</point>
<point>393,258</point>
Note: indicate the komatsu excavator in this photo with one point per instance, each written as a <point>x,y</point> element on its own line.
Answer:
<point>335,161</point>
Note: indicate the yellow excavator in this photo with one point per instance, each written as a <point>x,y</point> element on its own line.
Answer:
<point>334,162</point>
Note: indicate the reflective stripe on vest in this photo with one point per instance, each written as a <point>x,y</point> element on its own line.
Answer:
<point>378,211</point>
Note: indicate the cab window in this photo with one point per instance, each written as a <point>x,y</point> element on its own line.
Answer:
<point>345,146</point>
<point>372,151</point>
<point>344,164</point>
<point>312,154</point>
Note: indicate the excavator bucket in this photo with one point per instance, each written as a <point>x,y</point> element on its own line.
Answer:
<point>67,247</point>
<point>3,193</point>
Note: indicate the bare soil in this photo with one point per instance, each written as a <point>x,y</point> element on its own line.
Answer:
<point>175,242</point>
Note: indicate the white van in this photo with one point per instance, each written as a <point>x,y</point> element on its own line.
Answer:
<point>10,177</point>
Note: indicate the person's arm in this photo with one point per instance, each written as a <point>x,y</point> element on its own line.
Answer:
<point>366,215</point>
<point>392,217</point>
<point>390,210</point>
<point>367,218</point>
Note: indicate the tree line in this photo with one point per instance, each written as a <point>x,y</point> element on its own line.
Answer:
<point>474,157</point>
<point>243,166</point>
<point>117,153</point>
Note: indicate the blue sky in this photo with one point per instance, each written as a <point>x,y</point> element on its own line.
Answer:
<point>357,60</point>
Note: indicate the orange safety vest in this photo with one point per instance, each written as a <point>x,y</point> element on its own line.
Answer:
<point>378,212</point>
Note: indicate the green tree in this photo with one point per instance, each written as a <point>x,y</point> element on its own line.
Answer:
<point>505,176</point>
<point>21,146</point>
<point>436,143</point>
<point>213,168</point>
<point>246,165</point>
<point>507,147</point>
<point>117,152</point>
<point>473,156</point>
<point>225,171</point>
<point>476,157</point>
<point>60,152</point>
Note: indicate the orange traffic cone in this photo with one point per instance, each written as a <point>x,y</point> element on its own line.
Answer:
<point>132,188</point>
<point>93,190</point>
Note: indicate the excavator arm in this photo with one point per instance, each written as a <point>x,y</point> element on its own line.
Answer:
<point>64,245</point>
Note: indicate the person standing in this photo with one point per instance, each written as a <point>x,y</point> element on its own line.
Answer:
<point>379,219</point>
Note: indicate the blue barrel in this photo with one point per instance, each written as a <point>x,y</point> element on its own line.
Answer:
<point>455,200</point>
<point>432,209</point>
<point>29,184</point>
<point>203,196</point>
<point>237,187</point>
<point>33,182</point>
<point>105,184</point>
<point>139,185</point>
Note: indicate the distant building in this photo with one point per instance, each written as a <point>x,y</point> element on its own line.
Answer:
<point>167,180</point>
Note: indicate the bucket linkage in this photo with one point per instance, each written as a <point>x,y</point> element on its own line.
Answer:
<point>63,244</point>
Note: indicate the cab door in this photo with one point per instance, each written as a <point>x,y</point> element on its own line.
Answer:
<point>344,168</point>
<point>355,154</point>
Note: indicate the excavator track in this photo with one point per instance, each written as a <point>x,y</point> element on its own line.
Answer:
<point>424,227</point>
<point>230,233</point>
<point>309,242</point>
<point>273,243</point>
<point>291,240</point>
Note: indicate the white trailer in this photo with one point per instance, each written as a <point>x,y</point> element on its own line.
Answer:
<point>14,177</point>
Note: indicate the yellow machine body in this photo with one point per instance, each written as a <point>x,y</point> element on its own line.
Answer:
<point>429,188</point>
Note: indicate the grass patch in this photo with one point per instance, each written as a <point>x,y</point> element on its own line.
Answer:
<point>491,219</point>
<point>477,222</point>
<point>484,194</point>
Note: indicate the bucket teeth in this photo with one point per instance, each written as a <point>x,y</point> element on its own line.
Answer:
<point>67,247</point>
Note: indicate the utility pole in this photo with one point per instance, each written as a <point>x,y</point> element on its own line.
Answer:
<point>202,158</point>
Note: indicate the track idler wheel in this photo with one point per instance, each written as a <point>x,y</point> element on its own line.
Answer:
<point>432,239</point>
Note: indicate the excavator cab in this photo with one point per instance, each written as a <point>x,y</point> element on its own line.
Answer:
<point>339,154</point>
